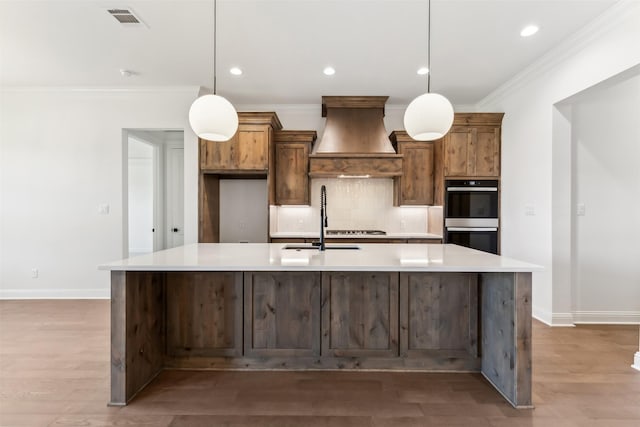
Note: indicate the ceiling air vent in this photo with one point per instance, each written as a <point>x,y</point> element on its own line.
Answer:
<point>126,17</point>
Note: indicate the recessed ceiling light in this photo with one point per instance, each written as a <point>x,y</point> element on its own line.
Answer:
<point>329,71</point>
<point>529,30</point>
<point>235,71</point>
<point>423,71</point>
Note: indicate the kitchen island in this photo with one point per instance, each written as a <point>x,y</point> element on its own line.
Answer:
<point>420,307</point>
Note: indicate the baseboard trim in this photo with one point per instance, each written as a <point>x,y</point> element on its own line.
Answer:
<point>541,315</point>
<point>95,293</point>
<point>563,320</point>
<point>607,317</point>
<point>636,361</point>
<point>586,317</point>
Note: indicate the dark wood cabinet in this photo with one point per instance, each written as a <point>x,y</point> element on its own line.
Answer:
<point>439,315</point>
<point>415,186</point>
<point>292,148</point>
<point>282,314</point>
<point>359,314</point>
<point>204,317</point>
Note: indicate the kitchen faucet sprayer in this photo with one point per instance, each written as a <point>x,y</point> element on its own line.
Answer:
<point>323,215</point>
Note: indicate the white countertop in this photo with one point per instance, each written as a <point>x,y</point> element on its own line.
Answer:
<point>316,235</point>
<point>272,257</point>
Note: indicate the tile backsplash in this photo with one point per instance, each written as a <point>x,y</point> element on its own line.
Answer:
<point>362,204</point>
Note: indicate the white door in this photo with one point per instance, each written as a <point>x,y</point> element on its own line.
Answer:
<point>140,197</point>
<point>175,197</point>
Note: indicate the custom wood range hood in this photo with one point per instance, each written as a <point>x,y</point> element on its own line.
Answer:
<point>355,142</point>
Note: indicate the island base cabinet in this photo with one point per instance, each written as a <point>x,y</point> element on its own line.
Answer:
<point>506,334</point>
<point>282,314</point>
<point>439,319</point>
<point>359,314</point>
<point>204,314</point>
<point>352,320</point>
<point>137,332</point>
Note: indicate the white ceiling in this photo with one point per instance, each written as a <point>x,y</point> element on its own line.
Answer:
<point>282,46</point>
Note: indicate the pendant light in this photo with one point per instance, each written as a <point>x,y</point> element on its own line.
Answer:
<point>430,115</point>
<point>211,116</point>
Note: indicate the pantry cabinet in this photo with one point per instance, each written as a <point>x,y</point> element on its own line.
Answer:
<point>248,154</point>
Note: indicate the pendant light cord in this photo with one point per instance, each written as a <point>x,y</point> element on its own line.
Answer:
<point>215,44</point>
<point>429,46</point>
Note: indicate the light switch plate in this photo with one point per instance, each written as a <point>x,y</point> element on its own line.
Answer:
<point>103,209</point>
<point>581,210</point>
<point>529,210</point>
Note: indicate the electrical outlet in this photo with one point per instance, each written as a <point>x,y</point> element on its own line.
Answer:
<point>103,209</point>
<point>529,210</point>
<point>581,210</point>
<point>403,225</point>
<point>34,273</point>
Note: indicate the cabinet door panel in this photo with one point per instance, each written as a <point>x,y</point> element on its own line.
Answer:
<point>456,153</point>
<point>360,314</point>
<point>252,152</point>
<point>282,314</point>
<point>439,313</point>
<point>292,169</point>
<point>204,314</point>
<point>218,155</point>
<point>487,149</point>
<point>417,179</point>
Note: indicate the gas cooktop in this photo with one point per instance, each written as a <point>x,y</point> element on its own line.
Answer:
<point>355,232</point>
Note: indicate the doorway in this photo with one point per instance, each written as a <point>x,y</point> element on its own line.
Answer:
<point>154,190</point>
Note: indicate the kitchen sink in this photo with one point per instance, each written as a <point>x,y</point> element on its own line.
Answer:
<point>300,247</point>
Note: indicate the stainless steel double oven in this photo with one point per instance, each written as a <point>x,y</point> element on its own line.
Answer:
<point>471,209</point>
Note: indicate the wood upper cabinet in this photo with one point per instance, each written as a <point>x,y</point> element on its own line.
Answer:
<point>472,146</point>
<point>247,151</point>
<point>292,150</point>
<point>415,186</point>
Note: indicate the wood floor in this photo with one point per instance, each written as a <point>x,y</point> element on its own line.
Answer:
<point>54,371</point>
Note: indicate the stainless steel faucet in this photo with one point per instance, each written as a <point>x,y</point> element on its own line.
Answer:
<point>323,215</point>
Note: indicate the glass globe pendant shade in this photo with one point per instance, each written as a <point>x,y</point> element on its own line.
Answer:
<point>428,117</point>
<point>213,118</point>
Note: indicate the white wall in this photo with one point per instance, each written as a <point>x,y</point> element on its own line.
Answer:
<point>244,211</point>
<point>606,140</point>
<point>61,156</point>
<point>604,48</point>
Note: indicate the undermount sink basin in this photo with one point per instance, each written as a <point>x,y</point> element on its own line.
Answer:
<point>299,247</point>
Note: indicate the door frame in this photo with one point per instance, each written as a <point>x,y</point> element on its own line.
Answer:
<point>159,166</point>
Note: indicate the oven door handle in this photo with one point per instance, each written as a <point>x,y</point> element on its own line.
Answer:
<point>465,189</point>
<point>472,229</point>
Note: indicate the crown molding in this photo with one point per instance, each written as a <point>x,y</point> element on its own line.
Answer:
<point>88,89</point>
<point>604,23</point>
<point>278,107</point>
